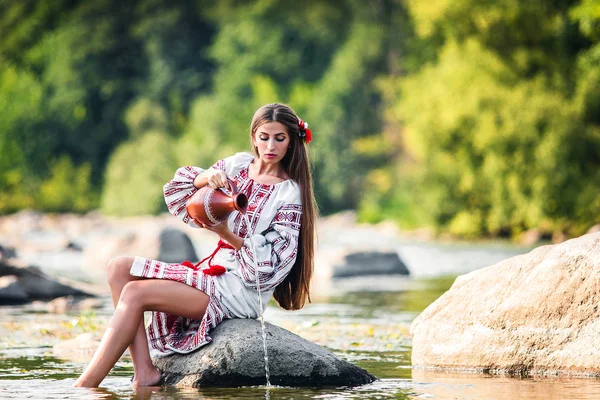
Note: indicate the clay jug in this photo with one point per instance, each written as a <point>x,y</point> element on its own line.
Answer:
<point>212,206</point>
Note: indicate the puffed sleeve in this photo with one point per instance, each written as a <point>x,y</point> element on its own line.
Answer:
<point>275,249</point>
<point>179,189</point>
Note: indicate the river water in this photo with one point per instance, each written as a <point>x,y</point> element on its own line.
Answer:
<point>365,321</point>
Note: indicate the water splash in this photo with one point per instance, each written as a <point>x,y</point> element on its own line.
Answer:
<point>260,305</point>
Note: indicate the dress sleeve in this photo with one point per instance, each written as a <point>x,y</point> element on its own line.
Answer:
<point>179,189</point>
<point>276,248</point>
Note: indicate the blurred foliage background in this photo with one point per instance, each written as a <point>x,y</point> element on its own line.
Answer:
<point>474,117</point>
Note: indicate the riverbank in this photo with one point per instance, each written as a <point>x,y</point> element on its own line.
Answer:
<point>80,246</point>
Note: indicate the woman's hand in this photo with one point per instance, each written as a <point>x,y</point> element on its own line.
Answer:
<point>214,178</point>
<point>220,229</point>
<point>225,233</point>
<point>217,179</point>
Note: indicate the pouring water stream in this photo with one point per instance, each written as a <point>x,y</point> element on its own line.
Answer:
<point>260,305</point>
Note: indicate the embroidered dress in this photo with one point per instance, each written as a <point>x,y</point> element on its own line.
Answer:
<point>274,212</point>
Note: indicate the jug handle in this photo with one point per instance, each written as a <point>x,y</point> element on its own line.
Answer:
<point>232,186</point>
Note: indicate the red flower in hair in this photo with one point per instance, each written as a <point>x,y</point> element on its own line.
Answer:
<point>305,133</point>
<point>308,136</point>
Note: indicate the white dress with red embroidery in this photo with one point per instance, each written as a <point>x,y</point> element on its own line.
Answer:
<point>274,212</point>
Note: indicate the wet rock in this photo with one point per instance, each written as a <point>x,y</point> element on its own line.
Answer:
<point>535,313</point>
<point>175,246</point>
<point>370,263</point>
<point>11,290</point>
<point>41,286</point>
<point>6,269</point>
<point>79,349</point>
<point>236,358</point>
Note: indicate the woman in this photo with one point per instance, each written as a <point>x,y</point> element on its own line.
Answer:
<point>188,301</point>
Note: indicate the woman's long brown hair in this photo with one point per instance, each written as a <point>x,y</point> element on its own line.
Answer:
<point>293,292</point>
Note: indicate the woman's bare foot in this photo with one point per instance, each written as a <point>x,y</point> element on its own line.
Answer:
<point>142,379</point>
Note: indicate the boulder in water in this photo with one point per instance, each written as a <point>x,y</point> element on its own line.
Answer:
<point>370,263</point>
<point>236,358</point>
<point>39,285</point>
<point>534,314</point>
<point>175,247</point>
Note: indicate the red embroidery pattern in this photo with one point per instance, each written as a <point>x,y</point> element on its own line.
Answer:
<point>170,332</point>
<point>275,258</point>
<point>180,202</point>
<point>190,175</point>
<point>289,216</point>
<point>257,201</point>
<point>174,187</point>
<point>282,251</point>
<point>219,165</point>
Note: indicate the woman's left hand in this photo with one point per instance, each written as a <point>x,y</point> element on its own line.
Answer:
<point>225,233</point>
<point>220,229</point>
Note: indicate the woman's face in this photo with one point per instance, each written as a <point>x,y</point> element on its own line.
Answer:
<point>272,141</point>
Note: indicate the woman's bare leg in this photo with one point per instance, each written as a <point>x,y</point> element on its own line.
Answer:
<point>136,297</point>
<point>145,373</point>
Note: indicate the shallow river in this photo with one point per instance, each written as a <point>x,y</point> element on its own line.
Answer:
<point>367,327</point>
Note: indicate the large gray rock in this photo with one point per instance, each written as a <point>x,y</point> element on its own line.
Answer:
<point>236,358</point>
<point>537,313</point>
<point>370,263</point>
<point>41,286</point>
<point>175,247</point>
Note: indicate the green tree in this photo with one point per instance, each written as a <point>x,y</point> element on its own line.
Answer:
<point>71,69</point>
<point>322,58</point>
<point>135,174</point>
<point>497,126</point>
<point>67,189</point>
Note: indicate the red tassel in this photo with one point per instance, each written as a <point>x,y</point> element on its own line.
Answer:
<point>214,270</point>
<point>189,264</point>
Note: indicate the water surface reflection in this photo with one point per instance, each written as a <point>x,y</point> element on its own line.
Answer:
<point>368,328</point>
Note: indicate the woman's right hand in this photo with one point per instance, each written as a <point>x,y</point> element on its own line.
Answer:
<point>217,179</point>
